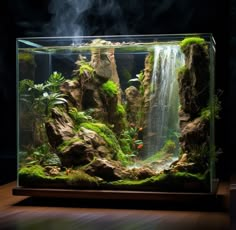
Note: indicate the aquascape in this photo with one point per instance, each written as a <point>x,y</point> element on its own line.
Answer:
<point>128,113</point>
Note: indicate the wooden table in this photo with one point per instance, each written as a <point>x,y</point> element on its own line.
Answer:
<point>19,212</point>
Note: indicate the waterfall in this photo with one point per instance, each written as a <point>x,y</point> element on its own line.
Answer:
<point>163,120</point>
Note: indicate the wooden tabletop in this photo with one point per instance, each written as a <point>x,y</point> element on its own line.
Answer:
<point>19,212</point>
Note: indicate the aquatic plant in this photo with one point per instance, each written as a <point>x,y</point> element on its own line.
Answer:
<point>191,40</point>
<point>36,156</point>
<point>110,88</point>
<point>139,78</point>
<point>41,98</point>
<point>55,81</point>
<point>130,137</point>
<point>85,69</point>
<point>79,116</point>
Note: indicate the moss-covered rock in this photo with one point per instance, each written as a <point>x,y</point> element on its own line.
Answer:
<point>110,138</point>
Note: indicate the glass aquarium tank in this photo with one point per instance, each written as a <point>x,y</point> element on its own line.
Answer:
<point>116,113</point>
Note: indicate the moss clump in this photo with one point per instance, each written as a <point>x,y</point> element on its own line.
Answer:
<point>103,131</point>
<point>180,181</point>
<point>214,107</point>
<point>36,177</point>
<point>169,147</point>
<point>120,110</point>
<point>192,40</point>
<point>35,171</point>
<point>80,178</point>
<point>110,88</point>
<point>27,58</point>
<point>182,70</point>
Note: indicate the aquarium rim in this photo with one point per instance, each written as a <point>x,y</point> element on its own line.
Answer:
<point>35,41</point>
<point>207,35</point>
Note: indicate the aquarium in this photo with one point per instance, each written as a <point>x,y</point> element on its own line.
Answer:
<point>116,113</point>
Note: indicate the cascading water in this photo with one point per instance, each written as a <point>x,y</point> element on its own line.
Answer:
<point>163,121</point>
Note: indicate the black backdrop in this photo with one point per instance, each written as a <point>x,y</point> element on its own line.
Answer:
<point>22,18</point>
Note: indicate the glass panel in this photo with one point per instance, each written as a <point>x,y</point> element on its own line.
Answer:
<point>116,112</point>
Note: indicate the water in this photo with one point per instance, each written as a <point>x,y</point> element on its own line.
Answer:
<point>163,122</point>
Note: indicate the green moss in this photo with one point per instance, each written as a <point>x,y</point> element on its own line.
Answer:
<point>214,107</point>
<point>125,146</point>
<point>169,147</point>
<point>191,40</point>
<point>151,58</point>
<point>109,137</point>
<point>182,70</point>
<point>120,110</point>
<point>26,57</point>
<point>165,181</point>
<point>81,178</point>
<point>35,171</point>
<point>66,143</point>
<point>79,116</point>
<point>110,88</point>
<point>35,176</point>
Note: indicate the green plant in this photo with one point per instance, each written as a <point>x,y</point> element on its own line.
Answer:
<point>169,147</point>
<point>110,88</point>
<point>139,78</point>
<point>182,70</point>
<point>79,177</point>
<point>191,40</point>
<point>85,69</point>
<point>120,110</point>
<point>41,98</point>
<point>110,138</point>
<point>37,155</point>
<point>79,116</point>
<point>130,137</point>
<point>211,110</point>
<point>54,82</point>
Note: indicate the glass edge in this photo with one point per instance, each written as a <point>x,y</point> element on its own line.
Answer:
<point>17,113</point>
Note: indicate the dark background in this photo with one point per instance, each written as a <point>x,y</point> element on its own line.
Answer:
<point>27,18</point>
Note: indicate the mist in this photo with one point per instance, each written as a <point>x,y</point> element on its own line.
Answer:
<point>85,17</point>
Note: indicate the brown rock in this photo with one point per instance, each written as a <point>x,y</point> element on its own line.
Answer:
<point>59,128</point>
<point>73,92</point>
<point>106,169</point>
<point>195,80</point>
<point>193,134</point>
<point>133,98</point>
<point>77,153</point>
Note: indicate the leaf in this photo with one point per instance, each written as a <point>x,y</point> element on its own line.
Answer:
<point>134,79</point>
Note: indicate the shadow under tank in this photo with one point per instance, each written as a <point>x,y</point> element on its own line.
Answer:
<point>116,113</point>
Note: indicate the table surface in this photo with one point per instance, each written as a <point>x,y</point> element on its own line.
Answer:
<point>20,212</point>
